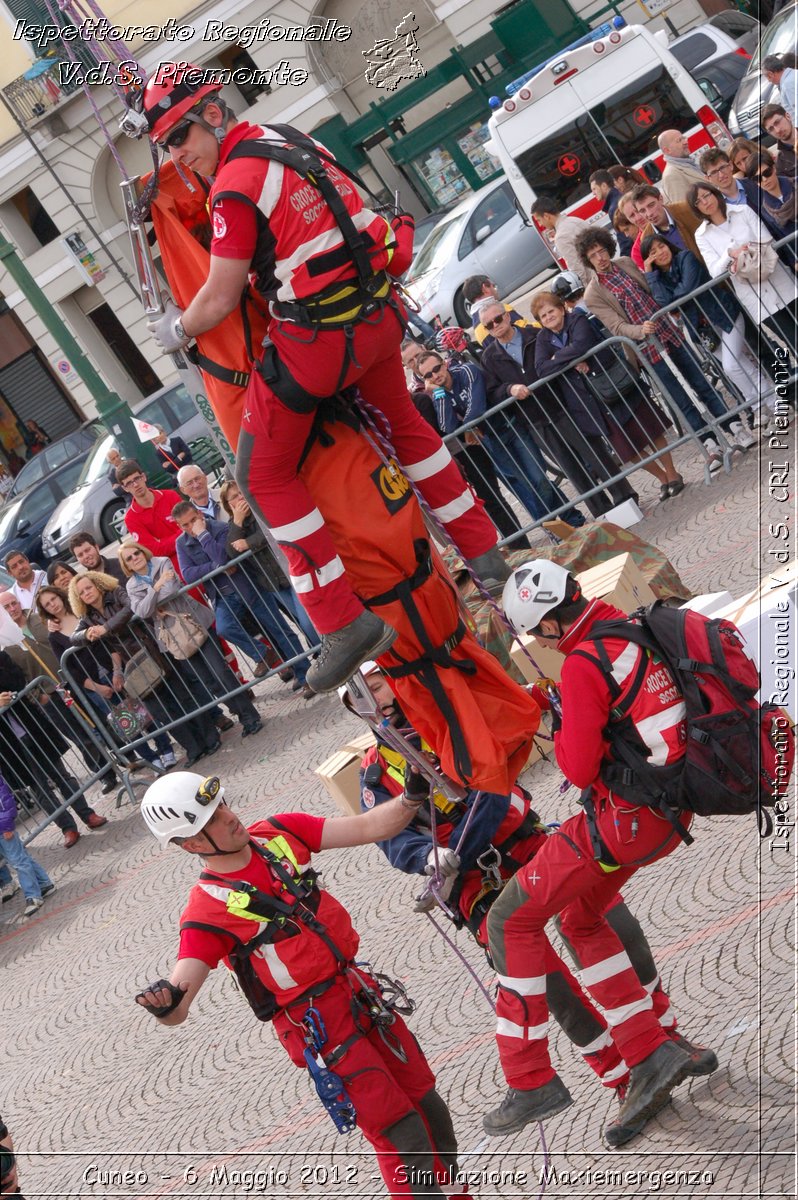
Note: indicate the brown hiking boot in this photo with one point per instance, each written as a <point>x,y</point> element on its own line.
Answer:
<point>522,1106</point>
<point>343,651</point>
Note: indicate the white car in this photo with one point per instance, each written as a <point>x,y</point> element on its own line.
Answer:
<point>483,235</point>
<point>729,32</point>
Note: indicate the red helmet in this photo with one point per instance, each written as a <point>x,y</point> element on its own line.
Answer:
<point>170,93</point>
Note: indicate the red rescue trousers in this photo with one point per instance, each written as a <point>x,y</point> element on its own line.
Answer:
<point>564,878</point>
<point>392,1090</point>
<point>273,437</point>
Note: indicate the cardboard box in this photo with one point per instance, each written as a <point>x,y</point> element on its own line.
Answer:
<point>767,618</point>
<point>340,774</point>
<point>361,743</point>
<point>619,581</point>
<point>709,604</point>
<point>624,515</point>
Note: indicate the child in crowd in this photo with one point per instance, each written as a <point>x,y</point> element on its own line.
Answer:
<point>34,880</point>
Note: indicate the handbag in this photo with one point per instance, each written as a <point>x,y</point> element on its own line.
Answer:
<point>142,674</point>
<point>180,634</point>
<point>614,383</point>
<point>129,720</point>
<point>756,262</point>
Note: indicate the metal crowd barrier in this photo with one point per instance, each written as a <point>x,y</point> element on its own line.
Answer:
<point>51,753</point>
<point>182,699</point>
<point>508,446</point>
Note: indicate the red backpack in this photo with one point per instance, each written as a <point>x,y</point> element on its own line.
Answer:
<point>739,753</point>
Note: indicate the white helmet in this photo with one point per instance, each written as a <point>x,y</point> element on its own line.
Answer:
<point>180,804</point>
<point>532,591</point>
<point>567,284</point>
<point>367,668</point>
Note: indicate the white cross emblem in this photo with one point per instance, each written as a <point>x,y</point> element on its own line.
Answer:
<point>533,878</point>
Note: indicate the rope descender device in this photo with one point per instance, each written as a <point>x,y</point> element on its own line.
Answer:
<point>329,1086</point>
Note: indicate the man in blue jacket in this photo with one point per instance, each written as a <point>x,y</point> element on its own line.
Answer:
<point>202,547</point>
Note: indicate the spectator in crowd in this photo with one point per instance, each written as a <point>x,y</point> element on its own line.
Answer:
<point>61,574</point>
<point>104,615</point>
<point>626,233</point>
<point>193,481</point>
<point>777,124</point>
<point>15,463</point>
<point>676,222</point>
<point>633,426</point>
<point>9,1178</point>
<point>740,151</point>
<point>725,234</point>
<point>603,188</point>
<point>625,178</point>
<point>87,553</point>
<point>36,884</point>
<point>547,213</point>
<point>782,74</point>
<point>35,438</point>
<point>718,169</point>
<point>620,298</point>
<point>244,533</point>
<point>31,753</point>
<point>154,591</point>
<point>35,657</point>
<point>635,221</point>
<point>460,395</point>
<point>680,171</point>
<point>477,289</point>
<point>201,548</point>
<point>468,452</point>
<point>775,202</point>
<point>27,578</point>
<point>97,664</point>
<point>114,460</point>
<point>673,274</point>
<point>173,453</point>
<point>149,518</point>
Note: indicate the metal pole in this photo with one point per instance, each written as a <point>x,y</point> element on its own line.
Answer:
<point>111,408</point>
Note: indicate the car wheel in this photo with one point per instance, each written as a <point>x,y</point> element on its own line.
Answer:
<point>111,522</point>
<point>461,314</point>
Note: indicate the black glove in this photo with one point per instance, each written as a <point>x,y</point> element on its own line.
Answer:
<point>416,786</point>
<point>162,1010</point>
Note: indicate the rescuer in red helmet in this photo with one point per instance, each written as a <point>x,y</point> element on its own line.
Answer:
<point>290,220</point>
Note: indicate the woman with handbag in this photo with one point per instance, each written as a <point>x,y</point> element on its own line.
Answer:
<point>672,274</point>
<point>104,616</point>
<point>732,238</point>
<point>182,627</point>
<point>99,663</point>
<point>634,425</point>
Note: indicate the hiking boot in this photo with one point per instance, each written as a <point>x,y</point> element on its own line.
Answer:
<point>520,1107</point>
<point>345,649</point>
<point>651,1083</point>
<point>618,1133</point>
<point>491,569</point>
<point>702,1060</point>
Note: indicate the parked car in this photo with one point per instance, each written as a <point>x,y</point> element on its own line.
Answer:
<point>755,90</point>
<point>719,80</point>
<point>425,226</point>
<point>22,521</point>
<point>728,32</point>
<point>93,506</point>
<point>483,235</point>
<point>75,445</point>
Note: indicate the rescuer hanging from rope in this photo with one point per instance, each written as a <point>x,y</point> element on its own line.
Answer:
<point>289,219</point>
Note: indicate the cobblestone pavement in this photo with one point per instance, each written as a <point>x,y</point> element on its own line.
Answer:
<point>93,1088</point>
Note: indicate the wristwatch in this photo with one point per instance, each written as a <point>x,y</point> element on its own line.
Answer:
<point>180,331</point>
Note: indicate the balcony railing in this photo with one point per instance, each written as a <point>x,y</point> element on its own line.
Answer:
<point>39,91</point>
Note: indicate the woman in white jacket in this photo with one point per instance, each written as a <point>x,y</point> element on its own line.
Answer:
<point>724,232</point>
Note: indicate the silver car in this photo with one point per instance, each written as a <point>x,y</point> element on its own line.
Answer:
<point>483,235</point>
<point>755,90</point>
<point>93,505</point>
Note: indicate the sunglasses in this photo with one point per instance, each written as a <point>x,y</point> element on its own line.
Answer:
<point>134,554</point>
<point>496,321</point>
<point>765,173</point>
<point>177,137</point>
<point>435,371</point>
<point>208,790</point>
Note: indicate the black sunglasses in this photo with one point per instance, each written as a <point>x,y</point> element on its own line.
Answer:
<point>496,321</point>
<point>765,173</point>
<point>177,137</point>
<point>428,374</point>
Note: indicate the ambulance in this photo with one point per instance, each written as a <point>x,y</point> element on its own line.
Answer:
<point>601,100</point>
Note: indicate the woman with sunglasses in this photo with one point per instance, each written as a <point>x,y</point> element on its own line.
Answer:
<point>104,615</point>
<point>777,197</point>
<point>724,233</point>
